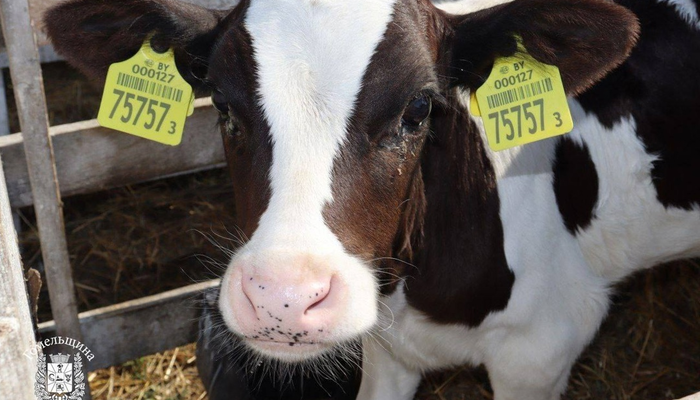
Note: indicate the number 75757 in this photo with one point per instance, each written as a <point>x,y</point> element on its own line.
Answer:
<point>529,111</point>
<point>146,103</point>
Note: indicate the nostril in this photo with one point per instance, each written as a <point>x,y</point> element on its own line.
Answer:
<point>320,296</point>
<point>245,293</point>
<point>250,302</point>
<point>311,307</point>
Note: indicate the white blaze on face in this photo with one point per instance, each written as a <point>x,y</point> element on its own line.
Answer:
<point>311,57</point>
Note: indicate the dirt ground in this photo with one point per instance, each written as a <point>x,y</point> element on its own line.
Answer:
<point>144,239</point>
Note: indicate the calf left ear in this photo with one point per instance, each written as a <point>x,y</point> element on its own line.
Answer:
<point>585,39</point>
<point>93,34</point>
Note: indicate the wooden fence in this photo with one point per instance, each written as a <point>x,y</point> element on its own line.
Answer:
<point>43,163</point>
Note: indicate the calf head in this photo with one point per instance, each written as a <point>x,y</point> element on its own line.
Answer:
<point>351,151</point>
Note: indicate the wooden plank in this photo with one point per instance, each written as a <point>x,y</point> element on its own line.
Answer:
<point>91,158</point>
<point>47,54</point>
<point>137,328</point>
<point>16,333</point>
<point>29,94</point>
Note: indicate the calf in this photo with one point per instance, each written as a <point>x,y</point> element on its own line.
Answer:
<point>374,208</point>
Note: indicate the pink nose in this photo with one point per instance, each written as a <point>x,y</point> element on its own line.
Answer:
<point>284,311</point>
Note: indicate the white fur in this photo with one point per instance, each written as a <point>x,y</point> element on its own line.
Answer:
<point>311,57</point>
<point>560,294</point>
<point>686,9</point>
<point>632,229</point>
<point>384,377</point>
<point>467,6</point>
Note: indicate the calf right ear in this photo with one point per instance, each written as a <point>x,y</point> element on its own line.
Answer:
<point>585,39</point>
<point>93,34</point>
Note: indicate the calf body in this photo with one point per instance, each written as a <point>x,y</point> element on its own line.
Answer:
<point>376,210</point>
<point>579,213</point>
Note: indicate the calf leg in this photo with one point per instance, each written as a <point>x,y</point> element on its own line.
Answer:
<point>384,377</point>
<point>535,365</point>
<point>528,386</point>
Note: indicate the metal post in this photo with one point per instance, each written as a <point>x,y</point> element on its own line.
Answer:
<point>31,104</point>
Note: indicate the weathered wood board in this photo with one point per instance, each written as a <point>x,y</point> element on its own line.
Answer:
<point>133,329</point>
<point>91,158</point>
<point>16,334</point>
<point>31,105</point>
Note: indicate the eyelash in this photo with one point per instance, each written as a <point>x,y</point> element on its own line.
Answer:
<point>437,98</point>
<point>222,119</point>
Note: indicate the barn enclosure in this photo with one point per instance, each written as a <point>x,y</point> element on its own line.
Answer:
<point>41,165</point>
<point>127,233</point>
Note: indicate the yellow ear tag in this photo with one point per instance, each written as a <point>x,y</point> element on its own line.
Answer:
<point>522,101</point>
<point>146,96</point>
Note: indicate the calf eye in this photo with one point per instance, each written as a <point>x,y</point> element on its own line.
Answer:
<point>417,111</point>
<point>229,125</point>
<point>219,101</point>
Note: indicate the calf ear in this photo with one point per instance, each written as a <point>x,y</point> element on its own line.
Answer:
<point>584,38</point>
<point>93,34</point>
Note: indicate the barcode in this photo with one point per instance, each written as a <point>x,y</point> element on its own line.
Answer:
<point>520,93</point>
<point>152,88</point>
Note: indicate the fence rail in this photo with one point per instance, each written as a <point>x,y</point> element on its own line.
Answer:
<point>91,158</point>
<point>125,331</point>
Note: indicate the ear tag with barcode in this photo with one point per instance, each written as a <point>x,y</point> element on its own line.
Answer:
<point>146,96</point>
<point>522,101</point>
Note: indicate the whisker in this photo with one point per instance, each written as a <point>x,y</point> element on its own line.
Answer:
<point>394,259</point>
<point>390,312</point>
